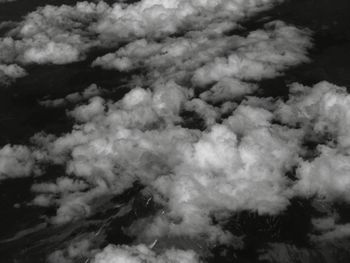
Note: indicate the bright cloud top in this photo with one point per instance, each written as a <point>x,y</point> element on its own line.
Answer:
<point>64,34</point>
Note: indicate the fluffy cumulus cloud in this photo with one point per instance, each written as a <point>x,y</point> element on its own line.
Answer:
<point>64,34</point>
<point>240,164</point>
<point>157,18</point>
<point>327,175</point>
<point>10,72</point>
<point>237,165</point>
<point>52,34</point>
<point>263,54</point>
<point>18,161</point>
<point>323,112</point>
<point>226,59</point>
<point>328,229</point>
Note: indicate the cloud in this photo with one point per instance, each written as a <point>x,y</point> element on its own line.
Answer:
<point>227,89</point>
<point>322,112</point>
<point>156,18</point>
<point>187,130</point>
<point>10,72</point>
<point>18,161</point>
<point>73,98</point>
<point>265,52</point>
<point>327,175</point>
<point>262,54</point>
<point>64,34</point>
<point>322,108</point>
<point>141,253</point>
<point>81,247</point>
<point>221,172</point>
<point>51,34</point>
<point>237,165</point>
<point>51,52</point>
<point>329,230</point>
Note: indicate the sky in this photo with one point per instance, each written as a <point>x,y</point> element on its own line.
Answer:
<point>174,131</point>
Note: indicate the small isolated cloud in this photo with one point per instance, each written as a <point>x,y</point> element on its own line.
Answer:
<point>73,98</point>
<point>17,161</point>
<point>51,52</point>
<point>8,73</point>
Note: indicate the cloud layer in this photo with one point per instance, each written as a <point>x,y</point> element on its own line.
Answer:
<point>186,131</point>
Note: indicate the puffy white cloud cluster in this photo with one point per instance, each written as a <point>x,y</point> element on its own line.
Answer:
<point>64,34</point>
<point>221,172</point>
<point>262,54</point>
<point>237,160</point>
<point>141,253</point>
<point>79,248</point>
<point>233,166</point>
<point>323,112</point>
<point>327,175</point>
<point>240,164</point>
<point>18,161</point>
<point>322,108</point>
<point>52,34</point>
<point>10,72</point>
<point>206,58</point>
<point>156,18</point>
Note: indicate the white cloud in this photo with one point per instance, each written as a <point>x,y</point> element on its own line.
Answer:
<point>236,162</point>
<point>326,175</point>
<point>17,161</point>
<point>262,54</point>
<point>236,165</point>
<point>227,89</point>
<point>52,34</point>
<point>58,53</point>
<point>65,34</point>
<point>11,72</point>
<point>73,98</point>
<point>322,112</point>
<point>141,253</point>
<point>323,108</point>
<point>81,247</point>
